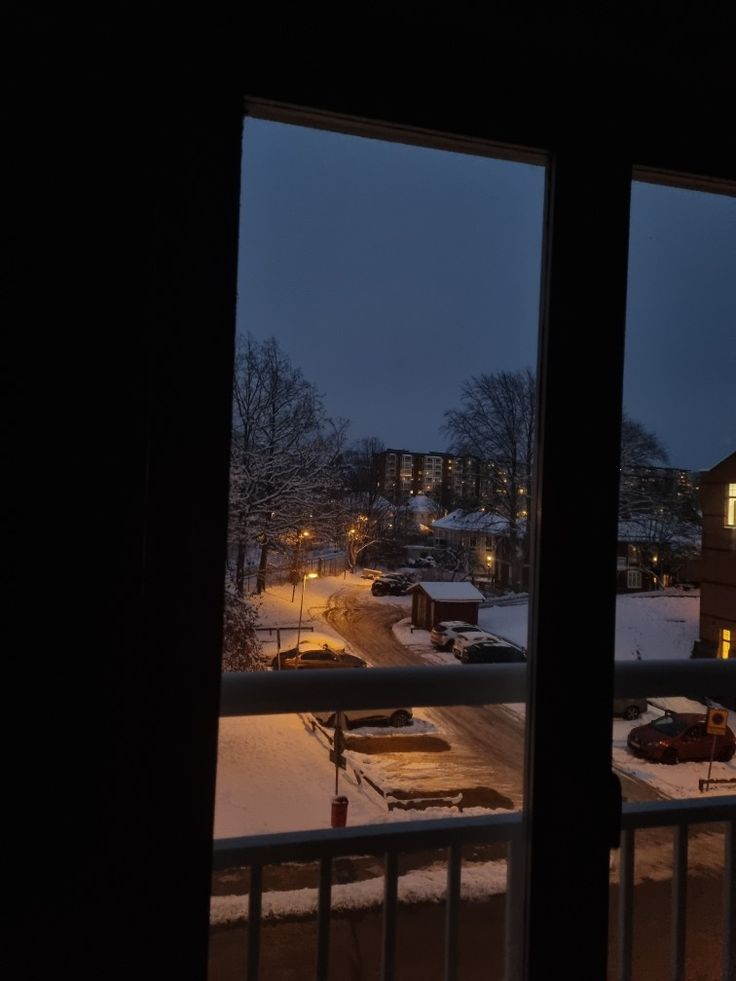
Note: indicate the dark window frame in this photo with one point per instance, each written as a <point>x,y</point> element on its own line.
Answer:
<point>573,281</point>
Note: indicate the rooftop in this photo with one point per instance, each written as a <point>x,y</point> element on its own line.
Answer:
<point>460,592</point>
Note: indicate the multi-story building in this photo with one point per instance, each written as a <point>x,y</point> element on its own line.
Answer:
<point>484,545</point>
<point>645,487</point>
<point>718,564</point>
<point>442,476</point>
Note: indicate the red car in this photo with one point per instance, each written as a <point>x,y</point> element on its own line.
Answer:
<point>680,737</point>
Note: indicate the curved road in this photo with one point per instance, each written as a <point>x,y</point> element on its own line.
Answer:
<point>488,740</point>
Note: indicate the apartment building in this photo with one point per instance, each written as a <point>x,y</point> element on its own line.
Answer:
<point>718,577</point>
<point>442,476</point>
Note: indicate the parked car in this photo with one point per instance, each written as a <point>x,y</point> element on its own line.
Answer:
<point>424,562</point>
<point>323,657</point>
<point>323,651</point>
<point>465,637</point>
<point>390,585</point>
<point>491,651</point>
<point>444,633</point>
<point>396,717</point>
<point>680,737</point>
<point>630,708</point>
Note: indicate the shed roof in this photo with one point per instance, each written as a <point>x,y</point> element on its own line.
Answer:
<point>453,592</point>
<point>478,521</point>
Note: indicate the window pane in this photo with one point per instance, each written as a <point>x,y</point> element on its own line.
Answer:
<point>678,593</point>
<point>387,334</point>
<point>364,265</point>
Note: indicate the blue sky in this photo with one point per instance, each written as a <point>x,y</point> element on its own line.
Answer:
<point>391,274</point>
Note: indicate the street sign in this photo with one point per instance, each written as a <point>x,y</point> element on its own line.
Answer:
<point>716,722</point>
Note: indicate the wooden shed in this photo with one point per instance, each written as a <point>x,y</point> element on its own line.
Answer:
<point>435,601</point>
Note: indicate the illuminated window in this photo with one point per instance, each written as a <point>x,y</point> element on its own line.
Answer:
<point>731,506</point>
<point>725,651</point>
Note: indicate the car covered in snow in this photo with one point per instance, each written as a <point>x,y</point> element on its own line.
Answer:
<point>444,633</point>
<point>317,651</point>
<point>467,637</point>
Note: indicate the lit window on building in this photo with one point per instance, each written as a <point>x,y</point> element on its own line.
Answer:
<point>725,651</point>
<point>731,506</point>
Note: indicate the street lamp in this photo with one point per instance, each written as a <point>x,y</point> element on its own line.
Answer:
<point>307,575</point>
<point>349,535</point>
<point>298,559</point>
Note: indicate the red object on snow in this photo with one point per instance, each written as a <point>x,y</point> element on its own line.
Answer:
<point>339,812</point>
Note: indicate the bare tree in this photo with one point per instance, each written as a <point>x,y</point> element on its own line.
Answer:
<point>362,467</point>
<point>284,452</point>
<point>359,517</point>
<point>643,484</point>
<point>496,423</point>
<point>639,446</point>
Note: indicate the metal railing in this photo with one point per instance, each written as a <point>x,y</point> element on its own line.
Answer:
<point>264,694</point>
<point>452,834</point>
<point>679,815</point>
<point>389,842</point>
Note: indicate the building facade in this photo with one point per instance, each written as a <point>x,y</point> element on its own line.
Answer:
<point>442,476</point>
<point>718,576</point>
<point>452,480</point>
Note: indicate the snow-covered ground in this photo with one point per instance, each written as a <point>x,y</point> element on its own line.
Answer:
<point>274,773</point>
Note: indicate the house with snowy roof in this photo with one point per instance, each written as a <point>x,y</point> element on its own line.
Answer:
<point>485,544</point>
<point>654,551</point>
<point>421,511</point>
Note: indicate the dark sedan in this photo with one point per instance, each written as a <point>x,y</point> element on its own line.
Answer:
<point>390,586</point>
<point>490,652</point>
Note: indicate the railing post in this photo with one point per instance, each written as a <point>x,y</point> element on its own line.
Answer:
<point>728,971</point>
<point>514,909</point>
<point>679,901</point>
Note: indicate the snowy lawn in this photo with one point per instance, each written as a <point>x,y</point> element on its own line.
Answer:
<point>273,771</point>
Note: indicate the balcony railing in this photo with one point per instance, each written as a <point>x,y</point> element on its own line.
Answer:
<point>452,834</point>
<point>260,694</point>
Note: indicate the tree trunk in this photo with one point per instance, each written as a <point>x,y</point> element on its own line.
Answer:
<point>262,566</point>
<point>240,569</point>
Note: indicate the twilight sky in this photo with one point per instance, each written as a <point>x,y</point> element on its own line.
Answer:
<point>390,274</point>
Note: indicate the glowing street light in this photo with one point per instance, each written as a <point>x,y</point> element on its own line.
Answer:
<point>307,575</point>
<point>348,536</point>
<point>300,536</point>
